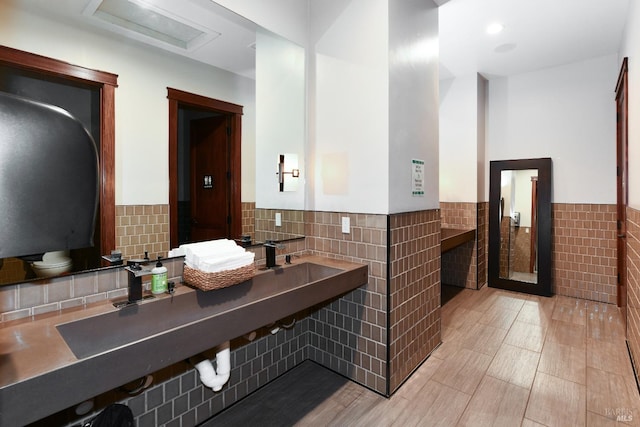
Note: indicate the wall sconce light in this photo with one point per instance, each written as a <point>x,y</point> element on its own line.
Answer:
<point>291,161</point>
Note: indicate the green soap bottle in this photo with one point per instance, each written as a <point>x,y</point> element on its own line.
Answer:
<point>159,278</point>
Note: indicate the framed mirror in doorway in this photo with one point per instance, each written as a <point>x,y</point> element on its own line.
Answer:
<point>520,225</point>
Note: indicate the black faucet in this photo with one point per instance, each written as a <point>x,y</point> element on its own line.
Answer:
<point>136,273</point>
<point>270,253</point>
<point>270,247</point>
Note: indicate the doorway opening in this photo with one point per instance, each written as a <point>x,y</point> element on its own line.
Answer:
<point>204,168</point>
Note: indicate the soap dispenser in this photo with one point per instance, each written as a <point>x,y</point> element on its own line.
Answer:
<point>159,278</point>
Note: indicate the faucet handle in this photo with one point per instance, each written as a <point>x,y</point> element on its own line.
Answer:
<point>274,244</point>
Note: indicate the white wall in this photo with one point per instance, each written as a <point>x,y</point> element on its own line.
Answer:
<point>463,163</point>
<point>280,122</point>
<point>522,195</point>
<point>141,106</point>
<point>348,147</point>
<point>566,113</point>
<point>481,151</point>
<point>506,191</point>
<point>413,103</point>
<point>373,105</point>
<point>459,139</point>
<point>631,49</point>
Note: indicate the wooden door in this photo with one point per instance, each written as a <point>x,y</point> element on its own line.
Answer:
<point>210,190</point>
<point>622,185</point>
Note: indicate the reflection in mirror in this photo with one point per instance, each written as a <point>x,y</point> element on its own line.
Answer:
<point>518,255</point>
<point>30,76</point>
<point>71,16</point>
<point>520,225</point>
<point>280,121</point>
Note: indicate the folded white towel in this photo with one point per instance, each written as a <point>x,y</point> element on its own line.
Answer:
<point>215,265</point>
<point>216,255</point>
<point>177,252</point>
<point>195,252</point>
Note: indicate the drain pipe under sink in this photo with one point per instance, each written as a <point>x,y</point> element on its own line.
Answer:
<point>216,378</point>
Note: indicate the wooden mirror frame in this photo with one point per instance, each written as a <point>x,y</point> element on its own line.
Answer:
<point>106,84</point>
<point>543,286</point>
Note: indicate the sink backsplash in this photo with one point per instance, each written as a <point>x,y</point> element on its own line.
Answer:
<point>44,296</point>
<point>48,295</point>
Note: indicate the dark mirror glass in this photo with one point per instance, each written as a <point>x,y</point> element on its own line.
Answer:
<point>518,228</point>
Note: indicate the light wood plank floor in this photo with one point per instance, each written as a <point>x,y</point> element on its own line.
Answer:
<point>507,359</point>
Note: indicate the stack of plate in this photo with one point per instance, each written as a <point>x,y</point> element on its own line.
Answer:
<point>52,264</point>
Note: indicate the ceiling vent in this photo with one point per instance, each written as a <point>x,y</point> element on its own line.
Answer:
<point>148,23</point>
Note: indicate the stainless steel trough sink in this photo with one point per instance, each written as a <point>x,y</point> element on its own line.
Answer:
<point>134,323</point>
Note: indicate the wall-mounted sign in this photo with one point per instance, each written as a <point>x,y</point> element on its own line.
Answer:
<point>207,182</point>
<point>417,178</point>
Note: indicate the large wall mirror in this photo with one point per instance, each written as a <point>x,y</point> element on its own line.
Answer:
<point>520,225</point>
<point>117,54</point>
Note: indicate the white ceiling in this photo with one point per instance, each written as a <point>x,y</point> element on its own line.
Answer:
<point>537,34</point>
<point>231,50</point>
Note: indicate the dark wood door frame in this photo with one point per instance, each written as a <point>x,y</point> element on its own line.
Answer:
<point>622,181</point>
<point>178,98</point>
<point>106,83</point>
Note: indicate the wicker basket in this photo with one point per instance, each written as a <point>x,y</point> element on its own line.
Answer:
<point>222,279</point>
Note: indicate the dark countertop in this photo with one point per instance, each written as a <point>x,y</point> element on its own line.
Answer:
<point>451,238</point>
<point>37,365</point>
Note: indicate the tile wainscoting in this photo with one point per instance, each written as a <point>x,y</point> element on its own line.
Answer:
<point>466,265</point>
<point>584,263</point>
<point>583,247</point>
<point>633,285</point>
<point>141,228</point>
<point>349,335</point>
<point>414,291</point>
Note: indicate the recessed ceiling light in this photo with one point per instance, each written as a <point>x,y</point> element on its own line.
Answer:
<point>142,20</point>
<point>495,28</point>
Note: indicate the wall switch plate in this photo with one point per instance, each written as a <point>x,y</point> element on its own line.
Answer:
<point>278,219</point>
<point>346,224</point>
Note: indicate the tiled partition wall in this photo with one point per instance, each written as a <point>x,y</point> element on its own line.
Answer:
<point>349,335</point>
<point>584,263</point>
<point>248,218</point>
<point>507,246</point>
<point>483,243</point>
<point>265,223</point>
<point>459,215</point>
<point>465,266</point>
<point>633,285</point>
<point>414,291</point>
<point>522,242</point>
<point>141,228</point>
